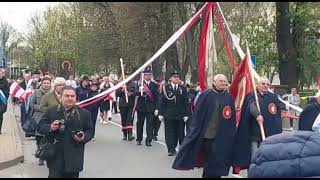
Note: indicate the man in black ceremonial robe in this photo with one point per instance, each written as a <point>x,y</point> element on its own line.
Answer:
<point>309,114</point>
<point>210,141</point>
<point>248,136</point>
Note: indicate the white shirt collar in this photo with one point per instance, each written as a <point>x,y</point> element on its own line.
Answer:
<point>148,82</point>
<point>174,85</point>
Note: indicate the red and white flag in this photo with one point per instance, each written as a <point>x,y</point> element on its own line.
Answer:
<point>16,90</point>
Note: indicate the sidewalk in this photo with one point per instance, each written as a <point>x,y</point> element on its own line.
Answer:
<point>10,141</point>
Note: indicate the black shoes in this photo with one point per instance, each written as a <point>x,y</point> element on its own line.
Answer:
<point>0,132</point>
<point>155,138</point>
<point>130,137</point>
<point>148,144</point>
<point>172,153</point>
<point>139,143</point>
<point>41,162</point>
<point>124,136</point>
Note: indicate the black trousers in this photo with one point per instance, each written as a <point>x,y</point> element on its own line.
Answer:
<point>114,105</point>
<point>1,120</point>
<point>142,116</point>
<point>53,173</point>
<point>291,122</point>
<point>187,124</point>
<point>23,116</point>
<point>208,145</point>
<point>94,115</point>
<point>156,123</point>
<point>174,133</point>
<point>126,118</point>
<point>39,140</point>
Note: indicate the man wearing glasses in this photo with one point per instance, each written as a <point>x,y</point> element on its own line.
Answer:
<point>173,109</point>
<point>248,137</point>
<point>53,98</point>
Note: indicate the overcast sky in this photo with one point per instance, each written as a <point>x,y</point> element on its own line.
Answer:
<point>17,13</point>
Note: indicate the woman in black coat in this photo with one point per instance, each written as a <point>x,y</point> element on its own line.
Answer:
<point>4,94</point>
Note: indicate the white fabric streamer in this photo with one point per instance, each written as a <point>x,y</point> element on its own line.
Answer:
<point>169,42</point>
<point>236,44</point>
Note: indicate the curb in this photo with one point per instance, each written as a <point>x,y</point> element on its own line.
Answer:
<point>19,157</point>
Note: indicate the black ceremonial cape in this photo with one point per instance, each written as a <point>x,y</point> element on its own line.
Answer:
<point>308,116</point>
<point>190,154</point>
<point>271,112</point>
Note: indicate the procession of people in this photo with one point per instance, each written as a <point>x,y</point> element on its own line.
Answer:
<point>199,126</point>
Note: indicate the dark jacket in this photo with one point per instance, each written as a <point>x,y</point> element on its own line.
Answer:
<point>93,107</point>
<point>69,154</point>
<point>308,116</point>
<point>121,94</point>
<point>145,104</point>
<point>174,104</point>
<point>82,93</point>
<point>4,86</point>
<point>287,155</point>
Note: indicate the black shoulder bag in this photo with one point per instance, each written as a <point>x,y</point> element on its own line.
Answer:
<point>47,149</point>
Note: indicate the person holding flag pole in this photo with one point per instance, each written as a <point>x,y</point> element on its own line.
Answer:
<point>146,105</point>
<point>260,118</point>
<point>126,99</point>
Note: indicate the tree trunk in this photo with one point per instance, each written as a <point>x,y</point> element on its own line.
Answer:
<point>189,37</point>
<point>298,27</point>
<point>286,51</point>
<point>171,55</point>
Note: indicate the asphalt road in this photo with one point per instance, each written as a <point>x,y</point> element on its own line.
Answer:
<point>109,156</point>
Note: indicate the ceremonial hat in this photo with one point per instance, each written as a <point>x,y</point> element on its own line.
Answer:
<point>174,73</point>
<point>147,70</point>
<point>37,72</point>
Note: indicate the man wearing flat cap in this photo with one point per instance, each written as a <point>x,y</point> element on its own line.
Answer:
<point>173,109</point>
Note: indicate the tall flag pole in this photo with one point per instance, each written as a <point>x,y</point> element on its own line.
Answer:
<point>256,95</point>
<point>123,77</point>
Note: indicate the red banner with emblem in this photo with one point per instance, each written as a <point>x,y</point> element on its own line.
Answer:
<point>241,86</point>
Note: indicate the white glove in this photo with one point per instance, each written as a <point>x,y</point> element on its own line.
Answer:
<point>141,89</point>
<point>185,119</point>
<point>156,112</point>
<point>160,118</point>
